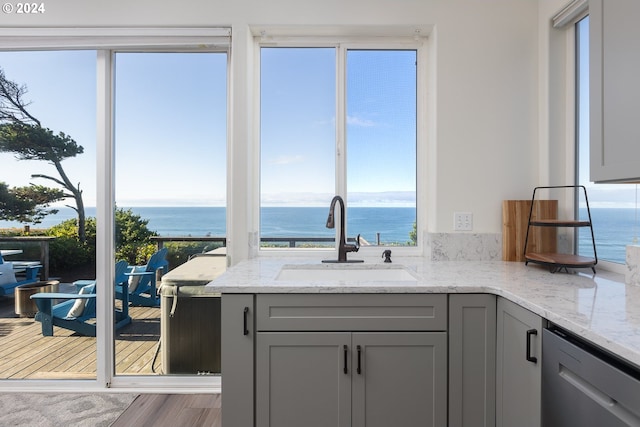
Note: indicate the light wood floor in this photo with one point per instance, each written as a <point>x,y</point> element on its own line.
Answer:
<point>171,410</point>
<point>26,354</point>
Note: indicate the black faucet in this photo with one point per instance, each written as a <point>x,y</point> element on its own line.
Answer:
<point>343,247</point>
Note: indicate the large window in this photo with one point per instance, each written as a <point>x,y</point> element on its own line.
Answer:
<point>614,207</point>
<point>338,120</point>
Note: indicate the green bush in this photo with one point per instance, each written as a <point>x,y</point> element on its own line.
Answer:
<point>66,252</point>
<point>133,238</point>
<point>179,252</point>
<point>133,242</point>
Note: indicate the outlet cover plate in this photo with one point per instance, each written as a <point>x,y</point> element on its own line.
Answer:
<point>462,221</point>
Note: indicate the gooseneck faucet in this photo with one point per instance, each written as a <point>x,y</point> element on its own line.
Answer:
<point>343,247</point>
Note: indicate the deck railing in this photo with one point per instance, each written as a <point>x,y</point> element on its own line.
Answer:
<point>292,241</point>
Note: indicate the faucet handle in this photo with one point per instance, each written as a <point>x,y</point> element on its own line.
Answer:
<point>353,248</point>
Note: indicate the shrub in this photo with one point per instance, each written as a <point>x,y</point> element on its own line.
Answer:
<point>179,252</point>
<point>133,238</point>
<point>66,251</point>
<point>133,242</point>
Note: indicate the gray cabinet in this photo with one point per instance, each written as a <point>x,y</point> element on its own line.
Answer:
<point>238,333</point>
<point>301,379</point>
<point>472,360</point>
<point>614,90</point>
<point>379,360</point>
<point>402,379</point>
<point>351,379</point>
<point>518,367</point>
<point>351,360</point>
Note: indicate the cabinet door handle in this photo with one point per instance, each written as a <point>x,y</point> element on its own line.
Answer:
<point>346,350</point>
<point>359,349</point>
<point>531,358</point>
<point>245,321</point>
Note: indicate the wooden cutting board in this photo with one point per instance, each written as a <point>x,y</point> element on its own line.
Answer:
<point>515,217</point>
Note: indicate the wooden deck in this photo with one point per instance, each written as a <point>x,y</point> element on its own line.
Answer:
<point>26,354</point>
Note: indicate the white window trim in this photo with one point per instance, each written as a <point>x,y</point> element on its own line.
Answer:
<point>416,41</point>
<point>106,41</point>
<point>201,39</point>
<point>580,11</point>
<point>571,13</point>
<point>566,20</point>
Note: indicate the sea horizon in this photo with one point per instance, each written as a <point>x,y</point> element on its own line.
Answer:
<point>393,223</point>
<point>614,228</point>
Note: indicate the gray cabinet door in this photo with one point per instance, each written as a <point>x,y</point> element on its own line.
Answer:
<point>238,332</point>
<point>402,379</point>
<point>614,90</point>
<point>518,386</point>
<point>301,379</point>
<point>472,360</point>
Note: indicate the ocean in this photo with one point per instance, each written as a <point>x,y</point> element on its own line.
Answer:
<point>393,224</point>
<point>613,228</point>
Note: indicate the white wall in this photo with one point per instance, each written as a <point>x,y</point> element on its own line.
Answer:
<point>489,88</point>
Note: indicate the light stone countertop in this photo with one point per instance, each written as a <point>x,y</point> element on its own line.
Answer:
<point>600,308</point>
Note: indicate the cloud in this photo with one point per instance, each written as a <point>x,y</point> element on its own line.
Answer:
<point>296,199</point>
<point>383,198</point>
<point>359,199</point>
<point>358,121</point>
<point>287,160</point>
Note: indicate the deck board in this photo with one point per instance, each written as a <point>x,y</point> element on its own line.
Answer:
<point>26,354</point>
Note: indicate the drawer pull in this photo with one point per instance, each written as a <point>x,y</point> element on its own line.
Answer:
<point>346,371</point>
<point>359,370</point>
<point>531,358</point>
<point>245,323</point>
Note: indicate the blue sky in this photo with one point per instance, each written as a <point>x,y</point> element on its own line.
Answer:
<point>298,126</point>
<point>171,126</point>
<point>170,123</point>
<point>62,92</point>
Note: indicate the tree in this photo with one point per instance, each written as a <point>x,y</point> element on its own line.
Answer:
<point>413,234</point>
<point>27,204</point>
<point>22,134</point>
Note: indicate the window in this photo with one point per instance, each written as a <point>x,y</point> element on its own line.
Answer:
<point>338,120</point>
<point>614,207</point>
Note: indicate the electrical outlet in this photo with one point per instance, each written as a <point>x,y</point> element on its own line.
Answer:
<point>462,221</point>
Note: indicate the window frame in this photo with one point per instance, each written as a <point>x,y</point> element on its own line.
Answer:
<point>572,31</point>
<point>342,45</point>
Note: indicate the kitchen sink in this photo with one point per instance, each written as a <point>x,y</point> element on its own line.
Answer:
<point>345,272</point>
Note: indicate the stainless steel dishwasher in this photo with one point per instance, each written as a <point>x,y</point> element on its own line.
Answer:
<point>584,386</point>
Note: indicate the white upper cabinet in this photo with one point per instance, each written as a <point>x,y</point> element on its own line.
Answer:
<point>615,90</point>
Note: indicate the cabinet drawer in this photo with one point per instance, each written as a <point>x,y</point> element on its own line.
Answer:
<point>349,312</point>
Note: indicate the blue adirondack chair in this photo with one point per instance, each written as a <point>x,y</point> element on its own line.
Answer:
<point>142,280</point>
<point>8,281</point>
<point>78,312</point>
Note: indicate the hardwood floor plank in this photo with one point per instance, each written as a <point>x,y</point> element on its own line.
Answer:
<point>162,410</point>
